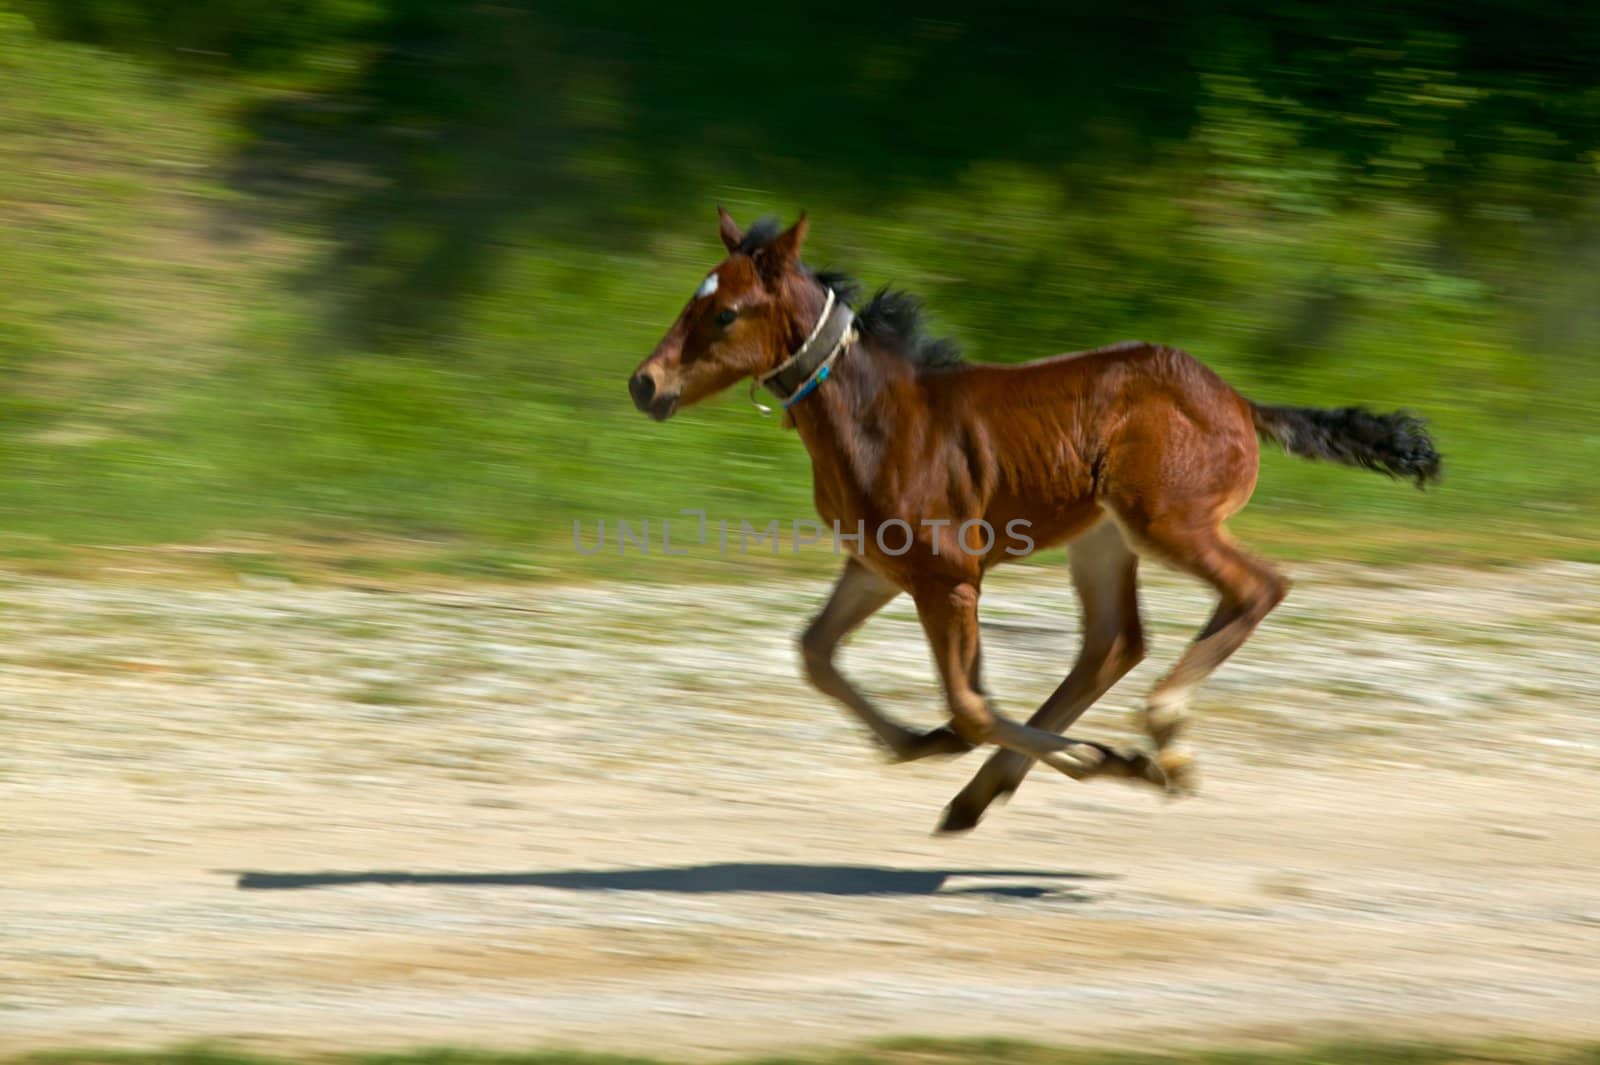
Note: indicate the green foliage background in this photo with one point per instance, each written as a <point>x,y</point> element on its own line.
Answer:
<point>379,268</point>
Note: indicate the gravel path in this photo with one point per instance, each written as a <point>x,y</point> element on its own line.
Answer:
<point>615,817</point>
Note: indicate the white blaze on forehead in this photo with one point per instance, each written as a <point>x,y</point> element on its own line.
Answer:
<point>707,287</point>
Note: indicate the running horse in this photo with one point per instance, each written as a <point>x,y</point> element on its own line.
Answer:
<point>1128,451</point>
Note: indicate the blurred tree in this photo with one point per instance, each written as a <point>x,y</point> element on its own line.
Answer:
<point>1361,201</point>
<point>475,121</point>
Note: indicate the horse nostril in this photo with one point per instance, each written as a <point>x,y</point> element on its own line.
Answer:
<point>642,387</point>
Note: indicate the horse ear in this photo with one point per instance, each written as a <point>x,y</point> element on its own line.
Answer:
<point>729,229</point>
<point>785,247</point>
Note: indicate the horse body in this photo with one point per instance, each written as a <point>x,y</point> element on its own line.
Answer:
<point>939,472</point>
<point>1054,445</point>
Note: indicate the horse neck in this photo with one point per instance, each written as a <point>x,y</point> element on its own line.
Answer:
<point>845,419</point>
<point>842,421</point>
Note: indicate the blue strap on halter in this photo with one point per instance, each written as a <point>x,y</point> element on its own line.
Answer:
<point>835,330</point>
<point>807,388</point>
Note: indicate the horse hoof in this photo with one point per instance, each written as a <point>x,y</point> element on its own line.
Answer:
<point>939,741</point>
<point>1178,768</point>
<point>959,818</point>
<point>1082,762</point>
<point>1130,763</point>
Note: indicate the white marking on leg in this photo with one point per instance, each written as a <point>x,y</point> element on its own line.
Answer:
<point>1164,711</point>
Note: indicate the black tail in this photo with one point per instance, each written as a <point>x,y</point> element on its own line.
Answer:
<point>1395,444</point>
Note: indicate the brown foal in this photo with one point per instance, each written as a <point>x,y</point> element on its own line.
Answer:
<point>1134,450</point>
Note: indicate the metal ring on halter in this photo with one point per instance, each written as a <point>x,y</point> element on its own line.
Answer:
<point>760,406</point>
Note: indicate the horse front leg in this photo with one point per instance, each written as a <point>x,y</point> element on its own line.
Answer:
<point>949,614</point>
<point>859,594</point>
<point>1105,575</point>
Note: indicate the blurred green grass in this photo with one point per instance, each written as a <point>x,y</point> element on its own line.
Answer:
<point>383,295</point>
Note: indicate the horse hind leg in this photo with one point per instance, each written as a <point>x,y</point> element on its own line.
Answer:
<point>949,617</point>
<point>1105,576</point>
<point>1248,590</point>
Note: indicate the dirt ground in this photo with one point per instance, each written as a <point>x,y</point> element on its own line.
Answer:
<point>615,817</point>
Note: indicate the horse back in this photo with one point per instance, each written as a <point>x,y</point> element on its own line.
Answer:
<point>1059,435</point>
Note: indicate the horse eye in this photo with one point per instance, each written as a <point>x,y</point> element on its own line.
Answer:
<point>726,316</point>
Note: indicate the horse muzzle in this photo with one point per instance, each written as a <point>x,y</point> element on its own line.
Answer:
<point>659,405</point>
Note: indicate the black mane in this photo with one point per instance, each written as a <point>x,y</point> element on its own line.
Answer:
<point>892,319</point>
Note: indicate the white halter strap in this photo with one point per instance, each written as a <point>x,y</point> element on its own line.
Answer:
<point>803,355</point>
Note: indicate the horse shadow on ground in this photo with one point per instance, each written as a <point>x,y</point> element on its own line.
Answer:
<point>762,878</point>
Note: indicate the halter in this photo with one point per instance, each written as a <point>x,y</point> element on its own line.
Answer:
<point>800,374</point>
